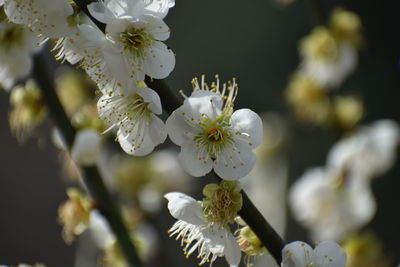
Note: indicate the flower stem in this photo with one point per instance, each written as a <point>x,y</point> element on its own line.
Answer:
<point>263,230</point>
<point>43,75</point>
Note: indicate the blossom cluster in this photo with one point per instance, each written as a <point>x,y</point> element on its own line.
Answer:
<point>336,200</point>
<point>328,56</point>
<point>120,45</point>
<point>117,60</point>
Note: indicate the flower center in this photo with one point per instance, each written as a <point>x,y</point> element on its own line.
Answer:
<point>136,40</point>
<point>137,106</point>
<point>215,135</point>
<point>222,202</point>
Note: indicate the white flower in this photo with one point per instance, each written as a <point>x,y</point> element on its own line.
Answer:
<point>330,203</point>
<point>135,36</point>
<point>17,44</point>
<point>327,59</point>
<point>50,20</point>
<point>332,73</point>
<point>368,153</point>
<point>133,113</point>
<point>86,147</point>
<point>212,136</point>
<point>75,47</point>
<point>211,241</point>
<point>325,254</point>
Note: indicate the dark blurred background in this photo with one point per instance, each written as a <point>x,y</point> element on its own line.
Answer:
<point>254,41</point>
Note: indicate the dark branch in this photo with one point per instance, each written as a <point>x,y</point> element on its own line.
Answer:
<point>82,4</point>
<point>260,226</point>
<point>43,74</point>
<point>169,100</point>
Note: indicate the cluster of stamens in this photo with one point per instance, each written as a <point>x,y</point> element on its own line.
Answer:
<point>222,202</point>
<point>131,113</point>
<point>228,91</point>
<point>135,40</point>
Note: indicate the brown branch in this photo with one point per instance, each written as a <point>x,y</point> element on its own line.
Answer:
<point>43,72</point>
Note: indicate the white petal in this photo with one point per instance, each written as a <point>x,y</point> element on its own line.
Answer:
<point>150,96</point>
<point>329,254</point>
<point>157,28</point>
<point>185,208</point>
<point>232,250</point>
<point>116,63</point>
<point>157,130</point>
<point>231,165</point>
<point>247,121</point>
<point>86,147</point>
<point>160,8</point>
<point>92,33</point>
<point>132,8</point>
<point>297,254</point>
<point>139,141</point>
<point>203,103</point>
<point>177,127</point>
<point>100,230</point>
<point>160,61</point>
<point>117,26</point>
<point>189,158</point>
<point>100,12</point>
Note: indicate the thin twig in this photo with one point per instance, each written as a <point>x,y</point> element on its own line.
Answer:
<point>91,176</point>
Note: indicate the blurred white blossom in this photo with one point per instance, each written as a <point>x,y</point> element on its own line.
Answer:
<point>330,203</point>
<point>86,147</point>
<point>325,254</point>
<point>368,153</point>
<point>17,45</point>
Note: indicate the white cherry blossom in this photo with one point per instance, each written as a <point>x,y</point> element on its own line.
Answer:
<point>330,203</point>
<point>17,45</point>
<point>50,20</point>
<point>135,38</point>
<point>368,153</point>
<point>133,113</point>
<point>210,241</point>
<point>212,136</point>
<point>325,254</point>
<point>84,37</point>
<point>332,73</point>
